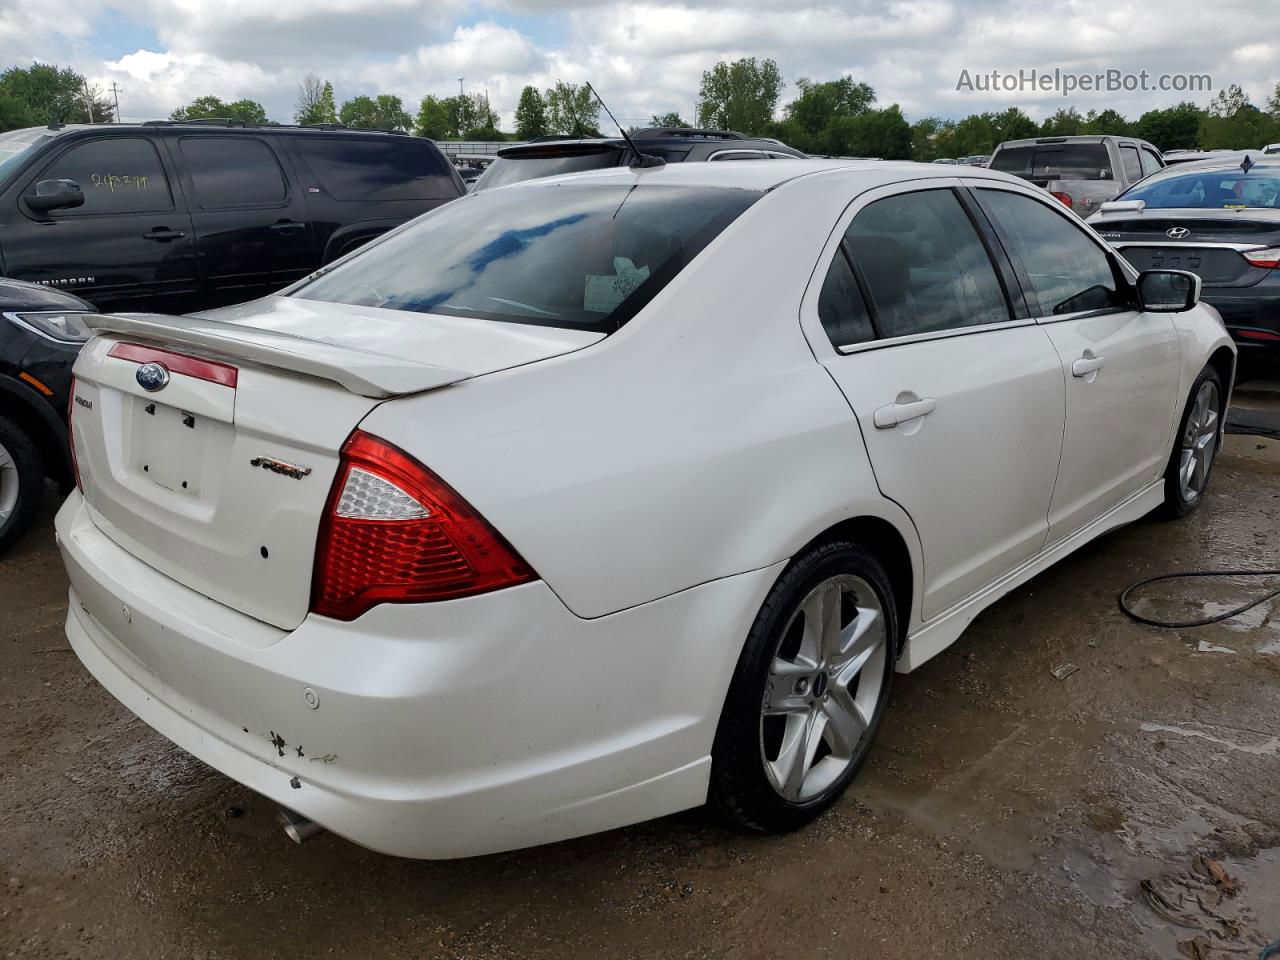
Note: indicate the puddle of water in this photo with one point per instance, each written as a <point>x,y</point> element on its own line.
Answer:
<point>1269,747</point>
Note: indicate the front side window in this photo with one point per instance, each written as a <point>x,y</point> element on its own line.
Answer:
<point>232,172</point>
<point>1068,271</point>
<point>16,146</point>
<point>1132,165</point>
<point>581,256</point>
<point>116,176</point>
<point>924,265</point>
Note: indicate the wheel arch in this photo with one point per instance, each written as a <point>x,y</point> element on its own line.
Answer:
<point>42,423</point>
<point>346,238</point>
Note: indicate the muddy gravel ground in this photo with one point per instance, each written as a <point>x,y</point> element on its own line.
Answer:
<point>1128,810</point>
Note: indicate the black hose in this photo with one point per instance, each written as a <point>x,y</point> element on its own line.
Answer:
<point>1178,624</point>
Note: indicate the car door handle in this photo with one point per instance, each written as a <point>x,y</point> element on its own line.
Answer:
<point>163,234</point>
<point>288,226</point>
<point>1087,365</point>
<point>892,414</point>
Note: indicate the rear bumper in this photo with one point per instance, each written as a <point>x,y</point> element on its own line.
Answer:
<point>1252,316</point>
<point>440,730</point>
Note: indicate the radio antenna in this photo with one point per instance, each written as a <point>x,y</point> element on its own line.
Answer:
<point>641,159</point>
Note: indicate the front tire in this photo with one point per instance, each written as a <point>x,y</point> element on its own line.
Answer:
<point>809,690</point>
<point>1187,476</point>
<point>21,482</point>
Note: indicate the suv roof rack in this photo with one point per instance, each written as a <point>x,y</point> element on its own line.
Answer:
<point>269,125</point>
<point>655,133</point>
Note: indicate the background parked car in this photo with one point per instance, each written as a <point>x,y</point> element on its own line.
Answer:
<point>550,156</point>
<point>1220,219</point>
<point>174,217</point>
<point>1082,172</point>
<point>40,336</point>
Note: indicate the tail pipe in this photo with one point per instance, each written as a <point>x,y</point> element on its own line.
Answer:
<point>297,827</point>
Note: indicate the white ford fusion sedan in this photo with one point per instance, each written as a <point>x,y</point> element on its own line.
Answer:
<point>590,499</point>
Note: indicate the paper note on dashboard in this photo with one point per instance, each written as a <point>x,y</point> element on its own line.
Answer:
<point>604,292</point>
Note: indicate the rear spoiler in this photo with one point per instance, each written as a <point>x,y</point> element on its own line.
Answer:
<point>362,372</point>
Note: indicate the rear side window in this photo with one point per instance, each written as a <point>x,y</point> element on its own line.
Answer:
<point>548,162</point>
<point>1132,165</point>
<point>376,169</point>
<point>924,265</point>
<point>841,308</point>
<point>1068,271</point>
<point>1055,161</point>
<point>233,172</point>
<point>584,257</point>
<point>1150,162</point>
<point>121,175</point>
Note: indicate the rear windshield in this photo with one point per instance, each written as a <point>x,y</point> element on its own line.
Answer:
<point>584,257</point>
<point>376,168</point>
<point>1211,189</point>
<point>572,159</point>
<point>1055,161</point>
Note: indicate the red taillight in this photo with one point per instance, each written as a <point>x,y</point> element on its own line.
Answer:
<point>394,532</point>
<point>1258,334</point>
<point>1065,198</point>
<point>71,435</point>
<point>1269,257</point>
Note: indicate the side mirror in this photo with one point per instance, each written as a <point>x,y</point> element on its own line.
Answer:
<point>55,195</point>
<point>1167,291</point>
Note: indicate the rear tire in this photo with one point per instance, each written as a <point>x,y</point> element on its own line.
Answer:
<point>21,482</point>
<point>809,690</point>
<point>1186,478</point>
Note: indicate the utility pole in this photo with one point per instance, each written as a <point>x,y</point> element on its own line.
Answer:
<point>460,93</point>
<point>88,101</point>
<point>115,92</point>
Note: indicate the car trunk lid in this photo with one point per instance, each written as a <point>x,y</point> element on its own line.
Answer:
<point>1211,244</point>
<point>218,477</point>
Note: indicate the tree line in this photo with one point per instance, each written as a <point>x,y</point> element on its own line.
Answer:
<point>840,117</point>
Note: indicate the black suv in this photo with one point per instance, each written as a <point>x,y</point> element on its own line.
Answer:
<point>40,334</point>
<point>550,156</point>
<point>174,217</point>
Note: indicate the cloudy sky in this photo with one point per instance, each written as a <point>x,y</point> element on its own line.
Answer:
<point>644,57</point>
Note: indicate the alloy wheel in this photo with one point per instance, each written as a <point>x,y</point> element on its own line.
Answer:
<point>1199,442</point>
<point>8,485</point>
<point>823,688</point>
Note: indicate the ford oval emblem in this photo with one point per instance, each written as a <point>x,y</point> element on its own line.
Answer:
<point>1177,233</point>
<point>152,377</point>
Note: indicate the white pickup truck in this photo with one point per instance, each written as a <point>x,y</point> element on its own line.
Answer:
<point>1082,172</point>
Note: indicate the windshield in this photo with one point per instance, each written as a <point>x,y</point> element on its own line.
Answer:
<point>1055,161</point>
<point>585,257</point>
<point>548,163</point>
<point>18,144</point>
<point>1211,189</point>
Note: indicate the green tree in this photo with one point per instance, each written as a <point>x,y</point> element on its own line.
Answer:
<point>1064,123</point>
<point>819,105</point>
<point>740,96</point>
<point>928,136</point>
<point>1011,124</point>
<point>975,135</point>
<point>433,118</point>
<point>531,114</point>
<point>43,93</point>
<point>212,108</point>
<point>1107,122</point>
<point>1247,126</point>
<point>871,133</point>
<point>315,101</point>
<point>385,112</point>
<point>572,110</point>
<point>671,119</point>
<point>1175,128</point>
<point>1228,101</point>
<point>1273,102</point>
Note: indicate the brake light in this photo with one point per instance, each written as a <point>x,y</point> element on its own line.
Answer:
<point>1258,334</point>
<point>1065,198</point>
<point>71,435</point>
<point>394,532</point>
<point>1270,257</point>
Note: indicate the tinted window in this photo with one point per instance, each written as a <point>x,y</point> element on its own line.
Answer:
<point>1260,187</point>
<point>1055,161</point>
<point>563,255</point>
<point>841,308</point>
<point>1132,165</point>
<point>547,163</point>
<point>376,169</point>
<point>117,176</point>
<point>1150,162</point>
<point>232,171</point>
<point>1068,271</point>
<point>15,147</point>
<point>924,265</point>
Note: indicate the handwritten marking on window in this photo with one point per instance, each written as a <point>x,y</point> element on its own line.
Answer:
<point>113,183</point>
